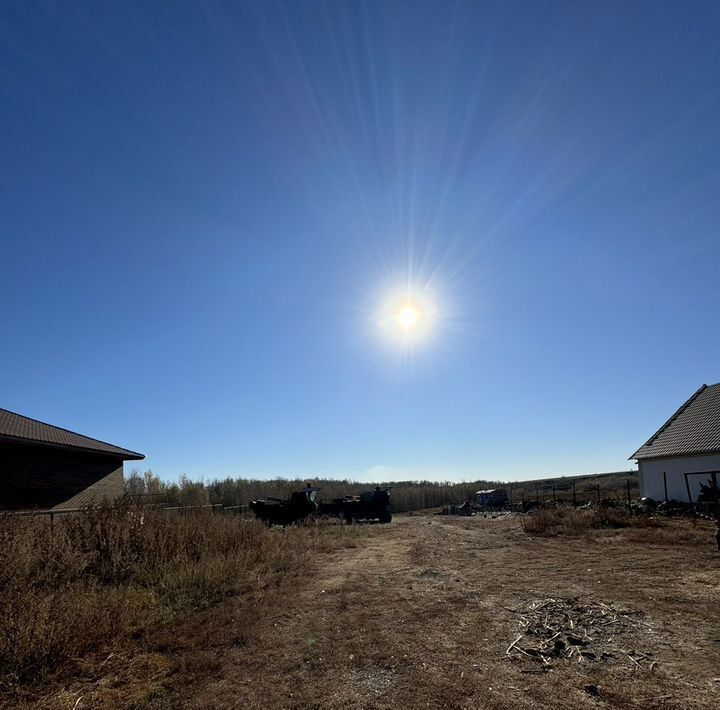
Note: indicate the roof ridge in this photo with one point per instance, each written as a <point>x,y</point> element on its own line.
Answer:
<point>678,412</point>
<point>673,418</point>
<point>69,431</point>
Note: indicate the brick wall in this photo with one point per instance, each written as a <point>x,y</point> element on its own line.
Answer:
<point>42,477</point>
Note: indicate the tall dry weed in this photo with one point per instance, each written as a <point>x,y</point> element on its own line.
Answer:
<point>549,522</point>
<point>69,588</point>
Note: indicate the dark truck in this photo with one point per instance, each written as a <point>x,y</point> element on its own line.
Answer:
<point>285,511</point>
<point>369,506</point>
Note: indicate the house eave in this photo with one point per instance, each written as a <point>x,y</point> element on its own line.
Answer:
<point>125,455</point>
<point>677,455</point>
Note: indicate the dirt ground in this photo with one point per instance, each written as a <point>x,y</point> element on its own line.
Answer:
<point>421,613</point>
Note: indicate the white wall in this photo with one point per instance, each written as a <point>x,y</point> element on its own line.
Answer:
<point>651,476</point>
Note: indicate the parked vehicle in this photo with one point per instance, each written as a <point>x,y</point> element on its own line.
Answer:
<point>285,511</point>
<point>369,506</point>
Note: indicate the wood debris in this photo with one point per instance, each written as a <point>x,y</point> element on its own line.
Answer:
<point>552,630</point>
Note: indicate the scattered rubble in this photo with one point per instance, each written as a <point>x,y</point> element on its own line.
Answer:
<point>553,630</point>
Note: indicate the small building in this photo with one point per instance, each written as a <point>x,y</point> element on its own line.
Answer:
<point>46,467</point>
<point>491,498</point>
<point>688,443</point>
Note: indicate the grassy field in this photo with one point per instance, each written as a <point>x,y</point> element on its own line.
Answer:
<point>426,612</point>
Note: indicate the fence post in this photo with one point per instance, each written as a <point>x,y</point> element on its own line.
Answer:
<point>628,490</point>
<point>692,507</point>
<point>574,496</point>
<point>665,485</point>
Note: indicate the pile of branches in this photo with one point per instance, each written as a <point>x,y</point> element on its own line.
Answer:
<point>560,629</point>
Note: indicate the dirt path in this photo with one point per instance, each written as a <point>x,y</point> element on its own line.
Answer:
<point>421,612</point>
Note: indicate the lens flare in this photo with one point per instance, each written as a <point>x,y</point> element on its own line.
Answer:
<point>406,318</point>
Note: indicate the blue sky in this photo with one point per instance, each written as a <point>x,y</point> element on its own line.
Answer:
<point>203,207</point>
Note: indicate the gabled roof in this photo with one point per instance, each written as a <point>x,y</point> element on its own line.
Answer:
<point>693,429</point>
<point>15,427</point>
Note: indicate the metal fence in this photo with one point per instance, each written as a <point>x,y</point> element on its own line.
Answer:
<point>218,508</point>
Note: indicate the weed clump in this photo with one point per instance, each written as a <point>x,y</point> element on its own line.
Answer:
<point>68,588</point>
<point>570,521</point>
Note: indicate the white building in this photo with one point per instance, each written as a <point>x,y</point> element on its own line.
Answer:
<point>688,443</point>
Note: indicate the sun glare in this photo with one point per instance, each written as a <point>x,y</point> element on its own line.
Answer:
<point>406,318</point>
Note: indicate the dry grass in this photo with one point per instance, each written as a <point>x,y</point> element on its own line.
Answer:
<point>70,589</point>
<point>421,613</point>
<point>673,533</point>
<point>570,521</point>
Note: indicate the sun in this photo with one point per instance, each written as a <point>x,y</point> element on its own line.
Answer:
<point>408,317</point>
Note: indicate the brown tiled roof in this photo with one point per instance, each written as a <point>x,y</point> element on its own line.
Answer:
<point>15,427</point>
<point>693,429</point>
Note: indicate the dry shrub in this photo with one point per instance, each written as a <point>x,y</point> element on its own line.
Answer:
<point>676,532</point>
<point>68,588</point>
<point>570,521</point>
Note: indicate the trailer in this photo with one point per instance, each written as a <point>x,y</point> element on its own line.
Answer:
<point>369,506</point>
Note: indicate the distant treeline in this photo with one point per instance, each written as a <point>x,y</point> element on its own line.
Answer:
<point>406,495</point>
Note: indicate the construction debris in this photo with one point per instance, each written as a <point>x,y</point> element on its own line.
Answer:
<point>553,630</point>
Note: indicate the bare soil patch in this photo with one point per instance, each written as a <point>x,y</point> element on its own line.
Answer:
<point>420,614</point>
